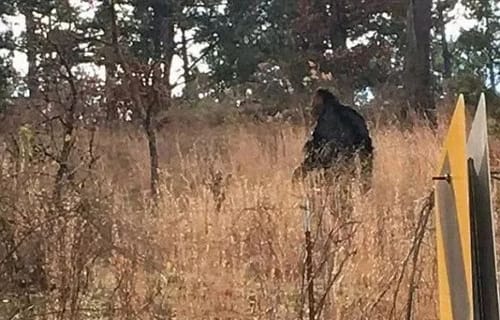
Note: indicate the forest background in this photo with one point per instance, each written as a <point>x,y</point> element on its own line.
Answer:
<point>146,151</point>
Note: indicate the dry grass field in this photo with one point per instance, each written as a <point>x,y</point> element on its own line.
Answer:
<point>243,261</point>
<point>227,239</point>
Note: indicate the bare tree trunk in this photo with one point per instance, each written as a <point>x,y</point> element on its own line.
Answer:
<point>309,274</point>
<point>159,90</point>
<point>418,80</point>
<point>153,156</point>
<point>110,68</point>
<point>338,37</point>
<point>338,32</point>
<point>493,82</point>
<point>491,57</point>
<point>31,53</point>
<point>447,63</point>
<point>447,67</point>
<point>188,91</point>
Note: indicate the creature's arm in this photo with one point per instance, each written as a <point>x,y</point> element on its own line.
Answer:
<point>309,145</point>
<point>360,128</point>
<point>307,165</point>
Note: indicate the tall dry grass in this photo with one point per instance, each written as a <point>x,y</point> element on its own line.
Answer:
<point>243,260</point>
<point>227,241</point>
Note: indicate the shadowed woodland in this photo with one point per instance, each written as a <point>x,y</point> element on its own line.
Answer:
<point>147,150</point>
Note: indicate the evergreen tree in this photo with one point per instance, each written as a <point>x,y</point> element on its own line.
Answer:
<point>442,55</point>
<point>477,50</point>
<point>293,35</point>
<point>7,46</point>
<point>242,34</point>
<point>374,29</point>
<point>50,24</point>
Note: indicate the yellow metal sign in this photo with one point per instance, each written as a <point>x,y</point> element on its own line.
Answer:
<point>453,224</point>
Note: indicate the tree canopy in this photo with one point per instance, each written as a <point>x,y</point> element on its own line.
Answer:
<point>272,46</point>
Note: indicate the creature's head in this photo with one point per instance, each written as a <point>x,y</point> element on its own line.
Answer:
<point>321,99</point>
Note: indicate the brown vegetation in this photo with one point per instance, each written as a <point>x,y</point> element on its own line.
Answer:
<point>227,238</point>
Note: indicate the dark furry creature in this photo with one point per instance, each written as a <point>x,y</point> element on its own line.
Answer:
<point>339,137</point>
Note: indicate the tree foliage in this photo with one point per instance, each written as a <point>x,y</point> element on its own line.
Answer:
<point>477,50</point>
<point>6,49</point>
<point>275,47</point>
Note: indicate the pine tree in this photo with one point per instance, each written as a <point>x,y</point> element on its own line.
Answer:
<point>376,28</point>
<point>442,55</point>
<point>290,36</point>
<point>6,70</point>
<point>478,49</point>
<point>50,25</point>
<point>240,35</point>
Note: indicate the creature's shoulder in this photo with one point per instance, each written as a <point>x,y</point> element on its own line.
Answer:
<point>351,113</point>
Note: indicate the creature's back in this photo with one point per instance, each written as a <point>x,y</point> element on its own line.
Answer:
<point>359,130</point>
<point>341,126</point>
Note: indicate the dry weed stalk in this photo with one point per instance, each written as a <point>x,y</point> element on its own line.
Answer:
<point>329,231</point>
